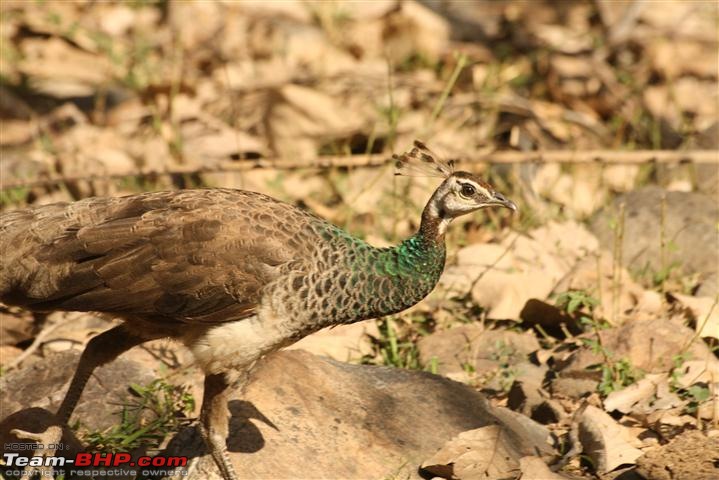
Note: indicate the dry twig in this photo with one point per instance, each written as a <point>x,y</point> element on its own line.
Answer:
<point>354,161</point>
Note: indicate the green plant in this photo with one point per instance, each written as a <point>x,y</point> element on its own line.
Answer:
<point>696,394</point>
<point>573,301</point>
<point>616,373</point>
<point>13,196</point>
<point>397,346</point>
<point>677,362</point>
<point>395,351</point>
<point>506,355</point>
<point>431,367</point>
<point>154,411</point>
<point>439,105</point>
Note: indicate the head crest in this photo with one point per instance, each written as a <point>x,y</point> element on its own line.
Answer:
<point>420,161</point>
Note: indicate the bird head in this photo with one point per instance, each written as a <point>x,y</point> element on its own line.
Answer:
<point>463,192</point>
<point>460,192</point>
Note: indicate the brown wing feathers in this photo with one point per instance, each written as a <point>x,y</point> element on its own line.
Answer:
<point>191,256</point>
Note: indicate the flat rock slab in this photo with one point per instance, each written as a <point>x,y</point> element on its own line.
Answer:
<point>43,384</point>
<point>690,225</point>
<point>312,417</point>
<point>300,416</point>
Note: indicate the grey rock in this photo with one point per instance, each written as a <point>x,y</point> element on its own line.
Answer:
<point>573,387</point>
<point>312,417</point>
<point>690,225</point>
<point>43,384</point>
<point>474,345</point>
<point>299,416</point>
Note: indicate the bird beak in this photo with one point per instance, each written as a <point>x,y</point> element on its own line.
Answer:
<point>502,201</point>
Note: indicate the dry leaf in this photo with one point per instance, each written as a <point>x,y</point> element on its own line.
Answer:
<point>480,454</point>
<point>595,273</point>
<point>302,119</point>
<point>605,441</point>
<point>705,311</point>
<point>623,400</point>
<point>697,371</point>
<point>343,343</point>
<point>504,277</point>
<point>415,29</point>
<point>534,468</point>
<point>56,68</point>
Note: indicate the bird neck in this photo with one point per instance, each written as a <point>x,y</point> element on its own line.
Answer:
<point>400,276</point>
<point>359,281</point>
<point>434,220</point>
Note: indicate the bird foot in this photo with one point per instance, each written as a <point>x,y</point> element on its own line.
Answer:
<point>219,454</point>
<point>222,459</point>
<point>47,444</point>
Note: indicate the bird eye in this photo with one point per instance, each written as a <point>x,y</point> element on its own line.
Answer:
<point>468,190</point>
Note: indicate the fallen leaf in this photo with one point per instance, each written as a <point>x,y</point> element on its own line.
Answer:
<point>705,311</point>
<point>343,343</point>
<point>504,277</point>
<point>605,441</point>
<point>476,455</point>
<point>623,400</point>
<point>534,468</point>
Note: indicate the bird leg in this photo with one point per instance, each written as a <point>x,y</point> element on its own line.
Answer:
<point>214,418</point>
<point>100,350</point>
<point>48,442</point>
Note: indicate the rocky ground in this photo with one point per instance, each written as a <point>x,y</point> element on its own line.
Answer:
<point>575,340</point>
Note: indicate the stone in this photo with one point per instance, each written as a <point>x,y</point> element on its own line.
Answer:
<point>43,383</point>
<point>649,345</point>
<point>473,346</point>
<point>308,416</point>
<point>689,227</point>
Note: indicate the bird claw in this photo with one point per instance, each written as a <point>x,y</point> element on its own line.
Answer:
<point>48,442</point>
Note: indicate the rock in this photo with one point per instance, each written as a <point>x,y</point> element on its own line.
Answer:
<point>529,398</point>
<point>648,345</point>
<point>476,349</point>
<point>44,382</point>
<point>689,455</point>
<point>319,418</point>
<point>690,226</point>
<point>15,327</point>
<point>572,387</point>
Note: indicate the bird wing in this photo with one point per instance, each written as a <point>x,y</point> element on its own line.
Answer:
<point>197,256</point>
